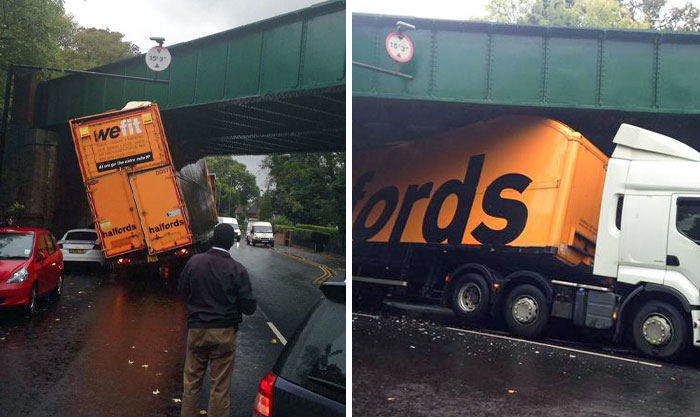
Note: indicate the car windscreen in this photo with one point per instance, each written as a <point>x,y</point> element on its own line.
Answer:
<point>91,236</point>
<point>16,245</point>
<point>315,358</point>
<point>262,229</point>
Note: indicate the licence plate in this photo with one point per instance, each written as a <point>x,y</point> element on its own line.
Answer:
<point>77,250</point>
<point>152,258</point>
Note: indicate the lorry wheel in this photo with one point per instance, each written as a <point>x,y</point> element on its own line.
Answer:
<point>470,296</point>
<point>660,331</point>
<point>526,311</point>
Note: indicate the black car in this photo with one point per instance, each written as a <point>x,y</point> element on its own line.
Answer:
<point>308,378</point>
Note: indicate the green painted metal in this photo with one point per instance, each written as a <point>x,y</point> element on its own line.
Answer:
<point>288,53</point>
<point>532,66</point>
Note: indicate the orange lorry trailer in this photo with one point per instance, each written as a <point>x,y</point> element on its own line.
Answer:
<point>136,196</point>
<point>512,183</point>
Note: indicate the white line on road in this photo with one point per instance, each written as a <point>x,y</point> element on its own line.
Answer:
<point>365,315</point>
<point>277,333</point>
<point>585,352</point>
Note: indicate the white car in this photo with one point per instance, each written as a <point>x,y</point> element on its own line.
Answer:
<point>234,223</point>
<point>82,245</point>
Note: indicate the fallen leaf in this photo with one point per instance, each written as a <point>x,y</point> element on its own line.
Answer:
<point>203,412</point>
<point>412,347</point>
<point>166,351</point>
<point>572,356</point>
<point>392,399</point>
<point>273,340</point>
<point>58,319</point>
<point>511,391</point>
<point>177,400</point>
<point>130,361</point>
<point>144,366</point>
<point>133,347</point>
<point>156,392</point>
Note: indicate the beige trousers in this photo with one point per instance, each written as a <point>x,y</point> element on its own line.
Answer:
<point>216,347</point>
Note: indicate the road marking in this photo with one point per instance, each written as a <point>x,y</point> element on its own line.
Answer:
<point>602,355</point>
<point>277,333</point>
<point>326,272</point>
<point>365,315</point>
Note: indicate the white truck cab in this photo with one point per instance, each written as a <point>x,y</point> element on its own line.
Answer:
<point>259,232</point>
<point>649,229</point>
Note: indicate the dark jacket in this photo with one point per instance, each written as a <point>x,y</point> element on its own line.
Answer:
<point>216,289</point>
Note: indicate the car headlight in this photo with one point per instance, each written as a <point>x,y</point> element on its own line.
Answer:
<point>19,276</point>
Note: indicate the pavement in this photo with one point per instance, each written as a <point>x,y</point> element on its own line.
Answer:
<point>407,364</point>
<point>115,346</point>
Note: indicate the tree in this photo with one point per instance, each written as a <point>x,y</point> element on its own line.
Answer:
<point>638,14</point>
<point>234,184</point>
<point>39,32</point>
<point>91,47</point>
<point>307,188</point>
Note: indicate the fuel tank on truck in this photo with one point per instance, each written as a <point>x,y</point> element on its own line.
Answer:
<point>518,183</point>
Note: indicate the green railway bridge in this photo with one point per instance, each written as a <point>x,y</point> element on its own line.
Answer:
<point>591,79</point>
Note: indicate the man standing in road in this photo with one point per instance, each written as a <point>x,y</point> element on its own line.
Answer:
<point>217,291</point>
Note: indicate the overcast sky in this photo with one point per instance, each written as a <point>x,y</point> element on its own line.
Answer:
<point>442,9</point>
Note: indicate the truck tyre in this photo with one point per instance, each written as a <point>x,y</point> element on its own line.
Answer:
<point>272,244</point>
<point>659,331</point>
<point>526,311</point>
<point>470,296</point>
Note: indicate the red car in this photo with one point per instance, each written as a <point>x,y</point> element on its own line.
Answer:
<point>31,266</point>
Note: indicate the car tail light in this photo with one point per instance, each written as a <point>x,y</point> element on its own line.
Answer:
<point>182,252</point>
<point>123,261</point>
<point>263,401</point>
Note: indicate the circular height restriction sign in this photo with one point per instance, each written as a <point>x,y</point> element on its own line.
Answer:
<point>158,58</point>
<point>399,46</point>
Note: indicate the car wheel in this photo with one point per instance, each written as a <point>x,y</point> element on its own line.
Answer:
<point>272,244</point>
<point>659,331</point>
<point>470,296</point>
<point>247,242</point>
<point>32,307</point>
<point>526,311</point>
<point>59,288</point>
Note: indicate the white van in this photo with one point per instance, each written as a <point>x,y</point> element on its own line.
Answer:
<point>234,223</point>
<point>259,232</point>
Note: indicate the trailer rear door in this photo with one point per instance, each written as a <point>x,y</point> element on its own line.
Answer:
<point>117,221</point>
<point>161,210</point>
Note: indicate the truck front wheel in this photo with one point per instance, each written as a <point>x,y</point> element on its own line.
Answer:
<point>526,311</point>
<point>470,296</point>
<point>659,330</point>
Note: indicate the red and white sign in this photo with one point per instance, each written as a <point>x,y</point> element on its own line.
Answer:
<point>158,58</point>
<point>399,46</point>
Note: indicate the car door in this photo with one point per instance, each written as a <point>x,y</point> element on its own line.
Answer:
<point>54,260</point>
<point>40,267</point>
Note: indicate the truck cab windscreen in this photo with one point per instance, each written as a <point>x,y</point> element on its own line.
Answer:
<point>262,229</point>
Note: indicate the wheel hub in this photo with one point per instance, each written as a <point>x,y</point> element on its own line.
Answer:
<point>525,309</point>
<point>469,297</point>
<point>657,329</point>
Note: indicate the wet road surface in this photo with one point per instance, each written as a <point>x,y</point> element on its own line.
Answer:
<point>115,346</point>
<point>405,364</point>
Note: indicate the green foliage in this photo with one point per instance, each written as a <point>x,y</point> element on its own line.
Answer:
<point>331,231</point>
<point>91,47</point>
<point>234,185</point>
<point>281,221</point>
<point>635,14</point>
<point>306,188</point>
<point>39,32</point>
